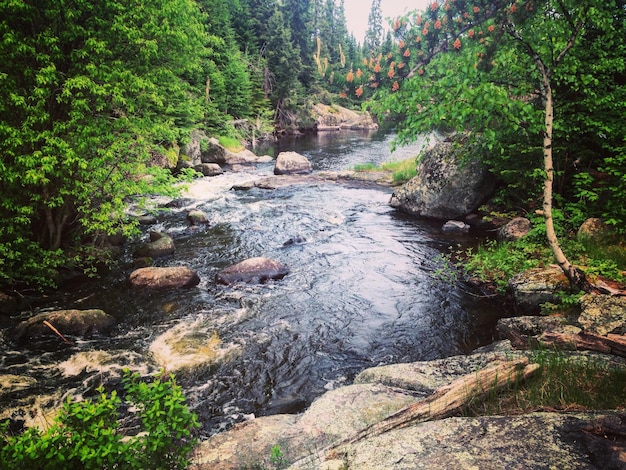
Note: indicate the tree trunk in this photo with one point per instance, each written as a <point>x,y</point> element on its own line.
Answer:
<point>576,277</point>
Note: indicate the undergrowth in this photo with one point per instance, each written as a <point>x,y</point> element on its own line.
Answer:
<point>494,262</point>
<point>565,382</point>
<point>89,434</point>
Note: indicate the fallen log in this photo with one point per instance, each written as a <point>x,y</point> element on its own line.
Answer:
<point>610,344</point>
<point>448,400</point>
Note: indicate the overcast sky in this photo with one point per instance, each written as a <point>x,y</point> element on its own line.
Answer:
<point>358,11</point>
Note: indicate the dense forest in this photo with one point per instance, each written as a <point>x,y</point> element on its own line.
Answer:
<point>97,99</point>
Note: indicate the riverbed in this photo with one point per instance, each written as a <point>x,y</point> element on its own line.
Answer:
<point>367,286</point>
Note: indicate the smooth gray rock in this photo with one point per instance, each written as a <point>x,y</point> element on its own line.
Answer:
<point>197,217</point>
<point>455,226</point>
<point>161,244</point>
<point>292,163</point>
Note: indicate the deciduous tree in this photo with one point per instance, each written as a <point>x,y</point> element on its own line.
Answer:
<point>90,92</point>
<point>500,34</point>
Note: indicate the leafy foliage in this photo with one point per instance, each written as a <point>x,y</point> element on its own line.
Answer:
<point>496,72</point>
<point>91,93</point>
<point>89,435</point>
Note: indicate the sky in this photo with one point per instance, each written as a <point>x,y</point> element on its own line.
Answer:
<point>358,11</point>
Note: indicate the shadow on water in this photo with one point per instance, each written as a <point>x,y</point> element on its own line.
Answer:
<point>362,291</point>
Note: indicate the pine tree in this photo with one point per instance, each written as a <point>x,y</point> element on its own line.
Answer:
<point>374,33</point>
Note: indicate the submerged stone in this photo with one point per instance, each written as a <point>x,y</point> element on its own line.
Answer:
<point>253,270</point>
<point>189,346</point>
<point>160,244</point>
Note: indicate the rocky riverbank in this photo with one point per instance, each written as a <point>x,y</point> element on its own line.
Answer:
<point>357,415</point>
<point>593,439</point>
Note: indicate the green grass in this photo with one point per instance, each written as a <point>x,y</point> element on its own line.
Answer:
<point>565,382</point>
<point>230,143</point>
<point>366,167</point>
<point>494,263</point>
<point>402,171</point>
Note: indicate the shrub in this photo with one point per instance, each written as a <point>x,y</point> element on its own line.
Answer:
<point>87,434</point>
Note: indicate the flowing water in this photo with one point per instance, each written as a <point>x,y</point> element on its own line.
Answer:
<point>363,290</point>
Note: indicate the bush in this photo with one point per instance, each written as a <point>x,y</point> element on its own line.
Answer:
<point>87,434</point>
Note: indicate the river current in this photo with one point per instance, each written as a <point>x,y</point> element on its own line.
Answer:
<point>364,289</point>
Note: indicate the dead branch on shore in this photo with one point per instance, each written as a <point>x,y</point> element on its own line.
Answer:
<point>448,400</point>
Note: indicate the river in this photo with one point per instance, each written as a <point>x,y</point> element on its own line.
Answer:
<point>364,289</point>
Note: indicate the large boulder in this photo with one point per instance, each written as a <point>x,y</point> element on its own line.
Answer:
<point>214,152</point>
<point>203,149</point>
<point>175,277</point>
<point>593,229</point>
<point>191,153</point>
<point>515,229</point>
<point>534,287</point>
<point>81,323</point>
<point>445,187</point>
<point>253,270</point>
<point>526,330</point>
<point>537,440</point>
<point>292,163</point>
<point>422,378</point>
<point>333,118</point>
<point>160,244</point>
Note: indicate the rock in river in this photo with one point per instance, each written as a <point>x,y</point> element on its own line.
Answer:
<point>164,278</point>
<point>160,244</point>
<point>67,322</point>
<point>292,163</point>
<point>253,270</point>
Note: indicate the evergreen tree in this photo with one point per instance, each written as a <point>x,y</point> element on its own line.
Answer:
<point>283,62</point>
<point>227,86</point>
<point>374,33</point>
<point>298,14</point>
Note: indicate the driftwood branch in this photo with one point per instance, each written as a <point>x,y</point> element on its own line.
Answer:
<point>610,344</point>
<point>57,332</point>
<point>448,400</point>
